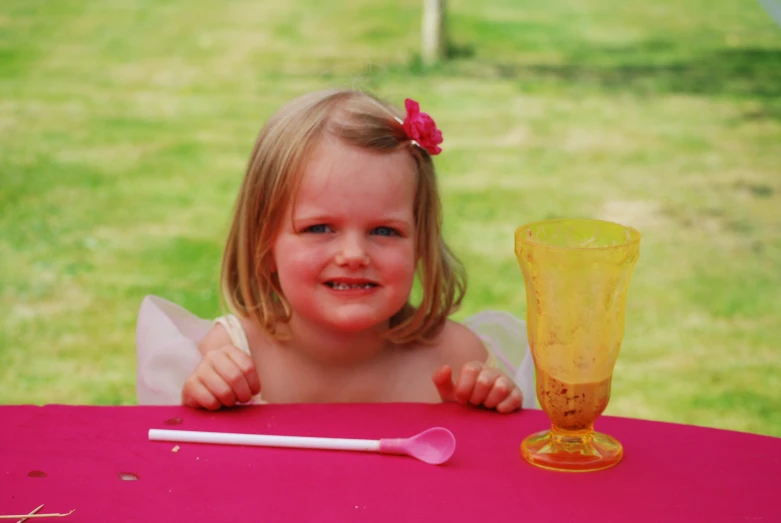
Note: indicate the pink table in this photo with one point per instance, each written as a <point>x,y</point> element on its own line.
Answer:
<point>71,457</point>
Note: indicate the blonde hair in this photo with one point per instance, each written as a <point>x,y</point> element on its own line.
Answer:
<point>273,175</point>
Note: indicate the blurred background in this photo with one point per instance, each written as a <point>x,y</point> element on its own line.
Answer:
<point>125,127</point>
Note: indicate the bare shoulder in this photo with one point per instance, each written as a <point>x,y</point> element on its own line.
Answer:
<point>216,337</point>
<point>458,345</point>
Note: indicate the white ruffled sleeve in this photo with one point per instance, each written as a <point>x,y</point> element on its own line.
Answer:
<point>503,333</point>
<point>167,338</point>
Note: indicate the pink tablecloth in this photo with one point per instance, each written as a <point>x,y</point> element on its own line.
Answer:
<point>72,458</point>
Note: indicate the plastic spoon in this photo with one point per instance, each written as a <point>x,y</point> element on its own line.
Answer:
<point>433,446</point>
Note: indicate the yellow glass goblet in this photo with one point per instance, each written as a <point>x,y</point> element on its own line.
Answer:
<point>577,274</point>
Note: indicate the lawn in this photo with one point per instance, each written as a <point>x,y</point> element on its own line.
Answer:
<point>126,125</point>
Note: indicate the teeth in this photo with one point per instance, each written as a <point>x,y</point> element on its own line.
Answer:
<point>345,286</point>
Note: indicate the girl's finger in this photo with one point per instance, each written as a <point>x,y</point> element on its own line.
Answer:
<point>227,369</point>
<point>511,403</point>
<point>483,385</point>
<point>466,381</point>
<point>443,380</point>
<point>501,389</point>
<point>247,367</point>
<point>196,395</point>
<point>218,387</point>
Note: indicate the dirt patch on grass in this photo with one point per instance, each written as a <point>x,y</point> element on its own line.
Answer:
<point>639,214</point>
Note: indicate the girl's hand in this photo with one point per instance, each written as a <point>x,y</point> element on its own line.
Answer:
<point>224,377</point>
<point>479,385</point>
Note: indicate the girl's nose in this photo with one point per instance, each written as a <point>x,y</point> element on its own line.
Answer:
<point>352,253</point>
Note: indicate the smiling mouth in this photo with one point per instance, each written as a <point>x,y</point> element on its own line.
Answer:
<point>342,286</point>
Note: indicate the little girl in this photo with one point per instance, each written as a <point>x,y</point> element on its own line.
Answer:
<point>338,212</point>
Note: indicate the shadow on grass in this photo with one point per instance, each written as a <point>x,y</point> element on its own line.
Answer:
<point>736,72</point>
<point>650,68</point>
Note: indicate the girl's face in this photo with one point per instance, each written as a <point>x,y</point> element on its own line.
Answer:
<point>345,253</point>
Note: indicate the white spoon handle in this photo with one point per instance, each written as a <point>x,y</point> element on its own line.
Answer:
<point>263,440</point>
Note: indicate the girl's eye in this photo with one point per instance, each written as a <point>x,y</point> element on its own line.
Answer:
<point>385,231</point>
<point>320,228</point>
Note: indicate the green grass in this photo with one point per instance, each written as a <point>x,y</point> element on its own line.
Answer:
<point>125,127</point>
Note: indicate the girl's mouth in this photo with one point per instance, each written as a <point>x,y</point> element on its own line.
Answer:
<point>344,286</point>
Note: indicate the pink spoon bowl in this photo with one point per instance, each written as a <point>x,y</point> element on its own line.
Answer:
<point>433,446</point>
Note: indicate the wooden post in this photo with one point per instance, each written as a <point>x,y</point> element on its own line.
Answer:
<point>434,31</point>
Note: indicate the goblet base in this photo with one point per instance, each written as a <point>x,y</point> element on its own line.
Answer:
<point>578,452</point>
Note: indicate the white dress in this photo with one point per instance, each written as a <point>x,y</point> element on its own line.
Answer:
<point>167,338</point>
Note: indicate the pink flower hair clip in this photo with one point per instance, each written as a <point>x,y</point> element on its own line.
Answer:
<point>420,128</point>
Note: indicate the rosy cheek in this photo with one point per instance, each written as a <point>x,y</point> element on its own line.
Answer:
<point>401,262</point>
<point>308,257</point>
